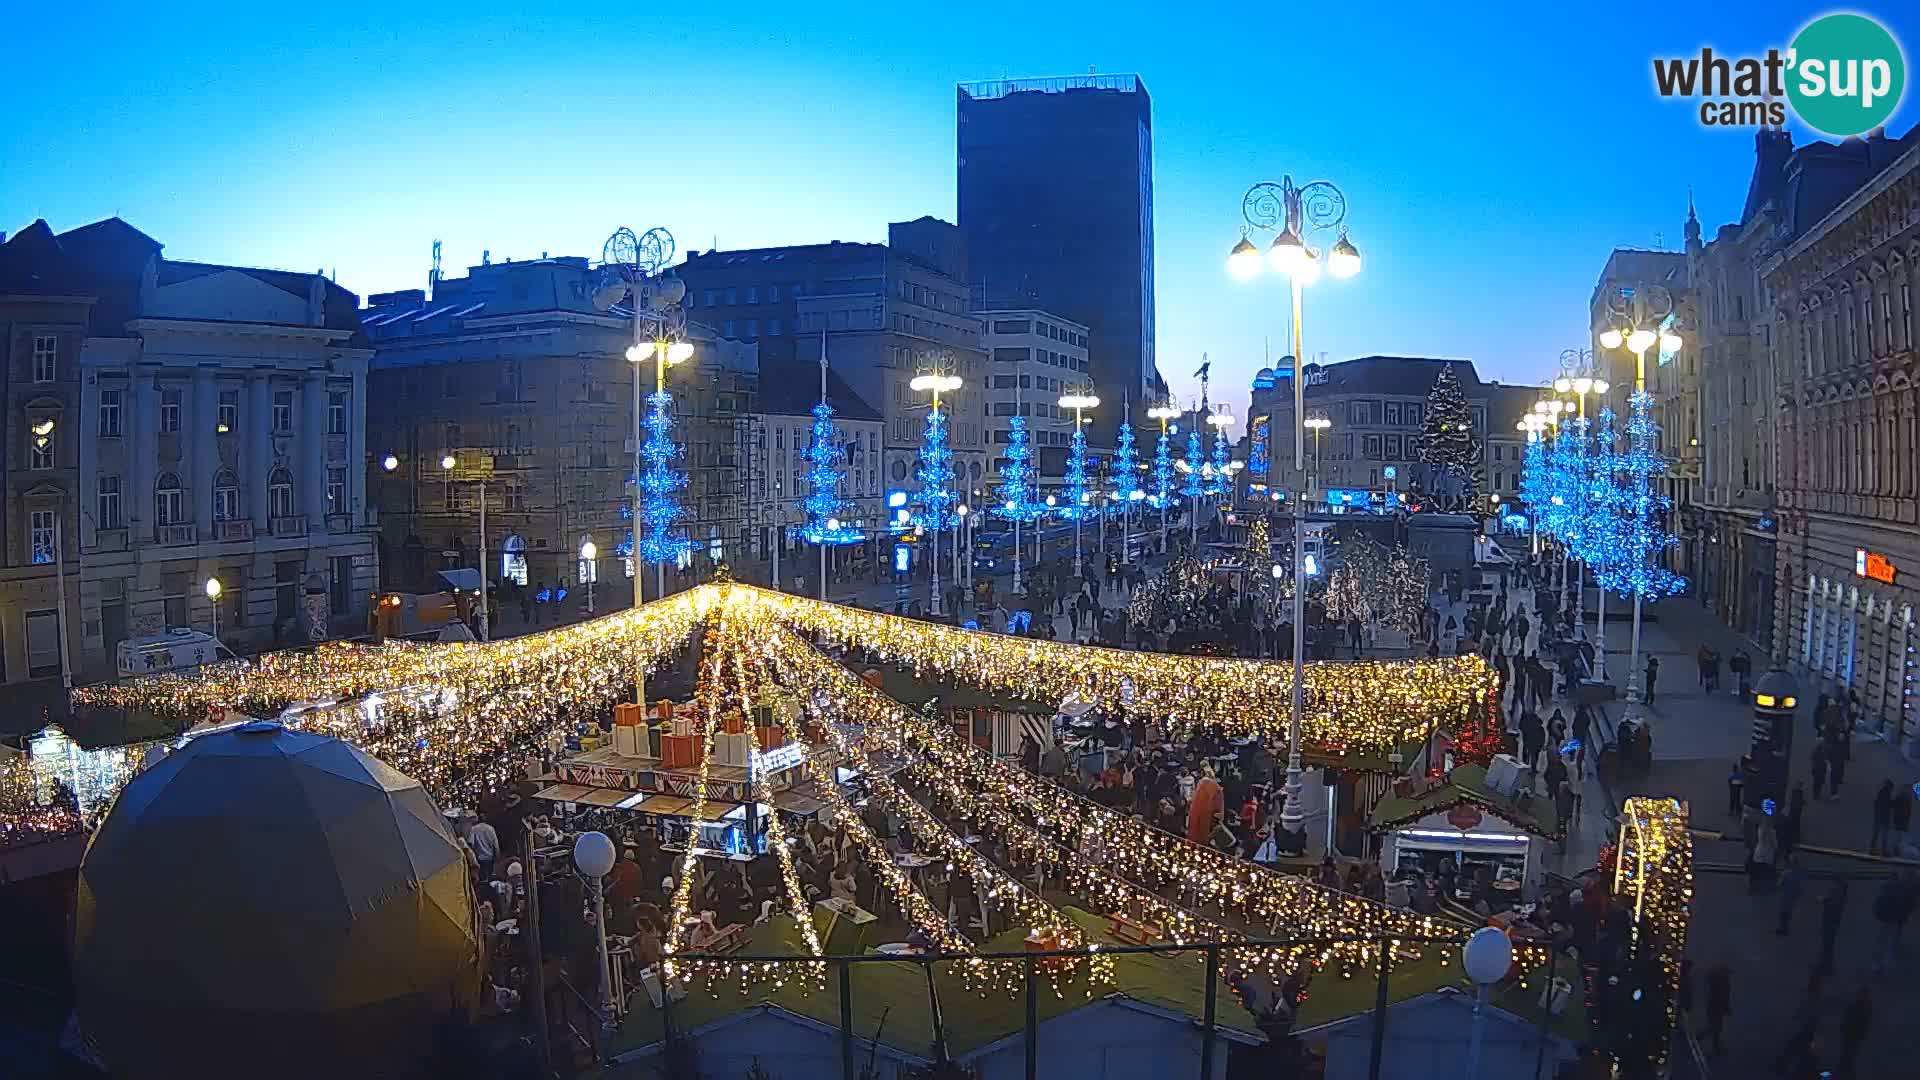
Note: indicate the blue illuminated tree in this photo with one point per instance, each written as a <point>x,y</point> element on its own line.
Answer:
<point>936,496</point>
<point>1162,472</point>
<point>1643,534</point>
<point>1196,463</point>
<point>1219,483</point>
<point>1533,479</point>
<point>826,468</point>
<point>1601,501</point>
<point>1019,498</point>
<point>1078,496</point>
<point>1126,467</point>
<point>659,484</point>
<point>1257,461</point>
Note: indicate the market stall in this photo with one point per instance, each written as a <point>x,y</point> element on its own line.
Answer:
<point>1450,830</point>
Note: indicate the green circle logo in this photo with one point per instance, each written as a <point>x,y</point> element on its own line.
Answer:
<point>1846,74</point>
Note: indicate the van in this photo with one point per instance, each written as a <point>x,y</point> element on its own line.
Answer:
<point>175,650</point>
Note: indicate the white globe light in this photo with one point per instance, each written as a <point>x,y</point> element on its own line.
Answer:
<point>1670,342</point>
<point>640,351</point>
<point>1488,955</point>
<point>213,588</point>
<point>1610,339</point>
<point>679,351</point>
<point>833,524</point>
<point>446,461</point>
<point>1244,260</point>
<point>390,463</point>
<point>593,854</point>
<point>589,550</point>
<point>1640,340</point>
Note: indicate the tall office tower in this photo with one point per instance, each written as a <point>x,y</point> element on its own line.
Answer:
<point>1056,201</point>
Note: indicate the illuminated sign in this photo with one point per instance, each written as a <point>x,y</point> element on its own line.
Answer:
<point>780,758</point>
<point>896,498</point>
<point>1873,566</point>
<point>902,558</point>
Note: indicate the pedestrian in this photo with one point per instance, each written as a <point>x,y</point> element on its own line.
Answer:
<point>1833,909</point>
<point>1855,1023</point>
<point>1576,787</point>
<point>1736,783</point>
<point>1719,1005</point>
<point>1794,1057</point>
<point>1582,727</point>
<point>1882,819</point>
<point>1902,818</point>
<point>1819,769</point>
<point>1653,676</point>
<point>1840,749</point>
<point>1563,808</point>
<point>1792,879</point>
<point>1702,658</point>
<point>1742,667</point>
<point>1891,909</point>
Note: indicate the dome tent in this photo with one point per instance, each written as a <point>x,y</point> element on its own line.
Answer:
<point>266,902</point>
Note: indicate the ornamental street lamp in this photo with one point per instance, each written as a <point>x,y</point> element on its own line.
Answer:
<point>214,588</point>
<point>1580,375</point>
<point>446,465</point>
<point>589,551</point>
<point>1317,424</point>
<point>594,857</point>
<point>1293,213</point>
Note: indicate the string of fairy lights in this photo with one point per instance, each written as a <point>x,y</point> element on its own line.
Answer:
<point>1369,706</point>
<point>706,710</point>
<point>1653,879</point>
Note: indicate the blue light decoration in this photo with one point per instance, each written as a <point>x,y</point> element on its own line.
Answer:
<point>1220,483</point>
<point>936,495</point>
<point>1019,498</point>
<point>1601,499</point>
<point>1257,462</point>
<point>1162,495</point>
<point>1642,534</point>
<point>1126,468</point>
<point>1196,462</point>
<point>825,457</point>
<point>1533,478</point>
<point>1079,499</point>
<point>659,483</point>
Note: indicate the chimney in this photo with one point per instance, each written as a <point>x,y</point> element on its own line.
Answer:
<point>317,300</point>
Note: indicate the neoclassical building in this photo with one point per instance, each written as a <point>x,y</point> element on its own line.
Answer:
<point>1844,327</point>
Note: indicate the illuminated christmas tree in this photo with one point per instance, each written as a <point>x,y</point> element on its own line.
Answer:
<point>1079,497</point>
<point>1126,468</point>
<point>1257,463</point>
<point>659,483</point>
<point>1019,499</point>
<point>1221,480</point>
<point>1643,534</point>
<point>1162,472</point>
<point>825,456</point>
<point>1448,443</point>
<point>1195,464</point>
<point>936,496</point>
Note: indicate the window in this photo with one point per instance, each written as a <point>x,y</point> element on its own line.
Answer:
<point>1370,446</point>
<point>773,294</point>
<point>753,294</point>
<point>773,327</point>
<point>1012,326</point>
<point>170,410</point>
<point>733,296</point>
<point>168,504</point>
<point>708,297</point>
<point>753,328</point>
<point>280,493</point>
<point>727,329</point>
<point>226,496</point>
<point>40,536</point>
<point>1011,356</point>
<point>1392,446</point>
<point>283,410</point>
<point>46,350</point>
<point>1499,481</point>
<point>456,436</point>
<point>336,490</point>
<point>109,414</point>
<point>40,443</point>
<point>336,412</point>
<point>106,506</point>
<point>229,413</point>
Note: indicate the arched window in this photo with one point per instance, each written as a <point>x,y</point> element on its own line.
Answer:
<point>169,504</point>
<point>280,493</point>
<point>226,496</point>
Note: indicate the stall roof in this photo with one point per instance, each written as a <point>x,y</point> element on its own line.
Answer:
<point>1466,785</point>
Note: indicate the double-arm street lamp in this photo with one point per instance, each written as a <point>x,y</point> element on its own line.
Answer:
<point>1163,413</point>
<point>939,474</point>
<point>1292,213</point>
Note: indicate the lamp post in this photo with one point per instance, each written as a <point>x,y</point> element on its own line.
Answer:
<point>1317,424</point>
<point>589,551</point>
<point>1291,212</point>
<point>1487,958</point>
<point>664,354</point>
<point>446,465</point>
<point>1077,493</point>
<point>1641,319</point>
<point>593,856</point>
<point>1580,376</point>
<point>214,588</point>
<point>1162,413</point>
<point>938,474</point>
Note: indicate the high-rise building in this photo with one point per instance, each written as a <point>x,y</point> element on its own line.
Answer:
<point>1055,182</point>
<point>1036,357</point>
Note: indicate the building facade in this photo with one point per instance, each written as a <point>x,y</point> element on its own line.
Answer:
<point>1035,356</point>
<point>517,374</point>
<point>44,311</point>
<point>1055,194</point>
<point>1376,407</point>
<point>777,469</point>
<point>210,429</point>
<point>1844,336</point>
<point>887,311</point>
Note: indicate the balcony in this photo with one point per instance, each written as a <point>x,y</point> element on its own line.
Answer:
<point>291,525</point>
<point>229,531</point>
<point>114,539</point>
<point>339,523</point>
<point>174,535</point>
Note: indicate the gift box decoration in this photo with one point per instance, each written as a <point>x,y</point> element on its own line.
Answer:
<point>680,752</point>
<point>626,714</point>
<point>770,736</point>
<point>628,740</point>
<point>732,723</point>
<point>654,734</point>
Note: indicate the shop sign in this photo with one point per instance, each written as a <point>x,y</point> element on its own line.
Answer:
<point>1873,566</point>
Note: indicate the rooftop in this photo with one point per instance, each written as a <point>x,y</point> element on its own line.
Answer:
<point>989,89</point>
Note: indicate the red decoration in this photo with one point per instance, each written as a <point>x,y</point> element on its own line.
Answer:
<point>1465,816</point>
<point>1479,742</point>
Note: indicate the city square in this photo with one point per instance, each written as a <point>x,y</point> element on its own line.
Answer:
<point>1079,630</point>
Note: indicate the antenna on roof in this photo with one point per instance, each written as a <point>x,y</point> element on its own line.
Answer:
<point>433,275</point>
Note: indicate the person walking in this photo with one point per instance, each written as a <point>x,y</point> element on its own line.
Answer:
<point>1833,910</point>
<point>1736,784</point>
<point>1653,676</point>
<point>1819,769</point>
<point>1891,910</point>
<point>1719,1006</point>
<point>1901,819</point>
<point>1855,1023</point>
<point>1882,819</point>
<point>1839,750</point>
<point>1792,880</point>
<point>1741,667</point>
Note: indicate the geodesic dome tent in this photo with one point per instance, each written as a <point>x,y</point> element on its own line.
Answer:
<point>266,902</point>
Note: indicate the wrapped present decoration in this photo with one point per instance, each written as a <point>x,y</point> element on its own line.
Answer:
<point>626,714</point>
<point>680,752</point>
<point>732,723</point>
<point>770,737</point>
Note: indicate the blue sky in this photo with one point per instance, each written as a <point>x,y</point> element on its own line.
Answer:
<point>1491,155</point>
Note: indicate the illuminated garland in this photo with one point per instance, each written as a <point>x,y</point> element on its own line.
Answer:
<point>659,483</point>
<point>1194,464</point>
<point>679,929</point>
<point>1653,882</point>
<point>1019,497</point>
<point>1257,461</point>
<point>1371,706</point>
<point>1079,498</point>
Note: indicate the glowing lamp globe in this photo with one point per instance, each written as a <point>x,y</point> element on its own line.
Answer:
<point>1244,260</point>
<point>267,902</point>
<point>593,853</point>
<point>1610,339</point>
<point>1488,956</point>
<point>1640,341</point>
<point>1287,252</point>
<point>1344,260</point>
